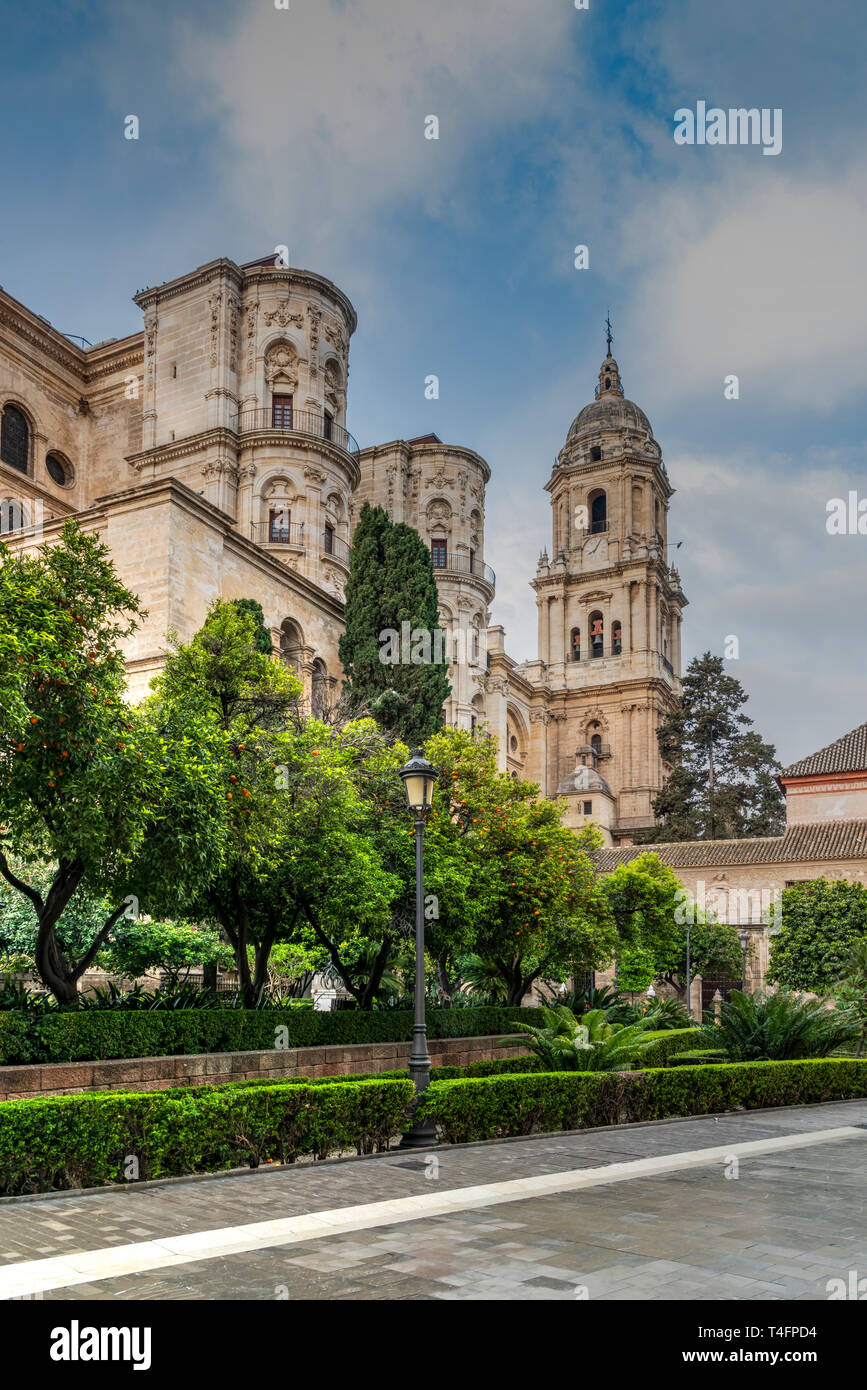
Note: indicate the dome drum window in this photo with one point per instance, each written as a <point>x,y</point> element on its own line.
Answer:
<point>598,512</point>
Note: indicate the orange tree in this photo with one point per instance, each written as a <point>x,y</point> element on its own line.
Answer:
<point>525,887</point>
<point>294,844</point>
<point>88,786</point>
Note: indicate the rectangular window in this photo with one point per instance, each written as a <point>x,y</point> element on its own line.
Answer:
<point>278,525</point>
<point>281,412</point>
<point>439,554</point>
<point>588,808</point>
<point>328,540</point>
<point>328,422</point>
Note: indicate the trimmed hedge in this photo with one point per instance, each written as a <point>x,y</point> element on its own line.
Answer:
<point>84,1141</point>
<point>668,1043</point>
<point>98,1035</point>
<point>496,1107</point>
<point>702,1056</point>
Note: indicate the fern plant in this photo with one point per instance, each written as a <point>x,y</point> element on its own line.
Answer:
<point>564,1043</point>
<point>778,1027</point>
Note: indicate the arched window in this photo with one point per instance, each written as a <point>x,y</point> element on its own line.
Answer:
<point>596,743</point>
<point>319,689</point>
<point>291,643</point>
<point>597,634</point>
<point>14,438</point>
<point>598,512</point>
<point>616,638</point>
<point>575,643</point>
<point>11,515</point>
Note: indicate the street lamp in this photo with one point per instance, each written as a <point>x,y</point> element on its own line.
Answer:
<point>744,939</point>
<point>688,981</point>
<point>418,780</point>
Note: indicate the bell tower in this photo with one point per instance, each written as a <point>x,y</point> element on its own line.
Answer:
<point>610,605</point>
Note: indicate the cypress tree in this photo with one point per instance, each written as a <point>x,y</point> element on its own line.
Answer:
<point>262,640</point>
<point>390,595</point>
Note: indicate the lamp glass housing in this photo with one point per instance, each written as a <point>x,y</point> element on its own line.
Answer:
<point>419,778</point>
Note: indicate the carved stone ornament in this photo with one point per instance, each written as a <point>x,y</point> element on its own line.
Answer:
<point>439,512</point>
<point>283,315</point>
<point>281,364</point>
<point>440,479</point>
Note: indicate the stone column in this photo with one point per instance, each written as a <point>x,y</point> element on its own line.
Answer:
<point>542,605</point>
<point>557,651</point>
<point>653,616</point>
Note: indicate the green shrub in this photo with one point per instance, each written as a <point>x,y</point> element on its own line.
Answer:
<point>777,1027</point>
<point>85,1141</point>
<point>700,1056</point>
<point>565,1043</point>
<point>495,1107</point>
<point>100,1034</point>
<point>665,1044</point>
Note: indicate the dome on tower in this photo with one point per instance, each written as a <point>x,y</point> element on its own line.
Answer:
<point>610,412</point>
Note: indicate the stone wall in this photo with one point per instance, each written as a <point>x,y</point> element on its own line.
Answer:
<point>218,1068</point>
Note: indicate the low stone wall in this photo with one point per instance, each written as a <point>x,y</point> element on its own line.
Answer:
<point>217,1068</point>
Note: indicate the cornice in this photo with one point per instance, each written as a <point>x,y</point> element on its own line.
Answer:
<point>184,448</point>
<point>412,453</point>
<point>222,268</point>
<point>42,336</point>
<point>292,278</point>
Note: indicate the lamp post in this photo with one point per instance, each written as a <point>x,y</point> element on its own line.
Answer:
<point>744,939</point>
<point>418,780</point>
<point>688,981</point>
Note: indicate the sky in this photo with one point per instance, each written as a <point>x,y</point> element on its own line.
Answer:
<point>304,127</point>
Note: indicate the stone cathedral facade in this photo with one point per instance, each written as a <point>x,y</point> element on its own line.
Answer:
<point>210,451</point>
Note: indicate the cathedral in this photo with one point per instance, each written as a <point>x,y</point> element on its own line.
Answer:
<point>210,451</point>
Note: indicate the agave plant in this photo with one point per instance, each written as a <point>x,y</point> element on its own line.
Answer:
<point>592,1044</point>
<point>778,1027</point>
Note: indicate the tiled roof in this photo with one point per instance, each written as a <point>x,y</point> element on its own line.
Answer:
<point>848,754</point>
<point>842,839</point>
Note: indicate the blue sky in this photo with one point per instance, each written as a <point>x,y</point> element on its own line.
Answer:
<point>305,127</point>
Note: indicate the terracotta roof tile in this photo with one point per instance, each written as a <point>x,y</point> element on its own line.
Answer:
<point>847,754</point>
<point>815,841</point>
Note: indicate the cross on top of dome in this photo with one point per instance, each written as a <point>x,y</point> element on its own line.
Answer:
<point>609,373</point>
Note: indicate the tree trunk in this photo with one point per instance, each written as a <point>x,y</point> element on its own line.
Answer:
<point>369,989</point>
<point>446,985</point>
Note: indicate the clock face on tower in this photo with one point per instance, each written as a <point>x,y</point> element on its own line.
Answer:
<point>596,549</point>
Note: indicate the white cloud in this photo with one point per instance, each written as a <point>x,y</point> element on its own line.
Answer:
<point>761,276</point>
<point>322,107</point>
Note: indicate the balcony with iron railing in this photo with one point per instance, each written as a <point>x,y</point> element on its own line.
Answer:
<point>298,537</point>
<point>334,547</point>
<point>464,564</point>
<point>278,533</point>
<point>307,423</point>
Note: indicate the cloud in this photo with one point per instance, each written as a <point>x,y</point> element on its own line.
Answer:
<point>761,277</point>
<point>759,564</point>
<point>321,108</point>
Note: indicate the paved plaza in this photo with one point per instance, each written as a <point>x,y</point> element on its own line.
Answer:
<point>762,1206</point>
